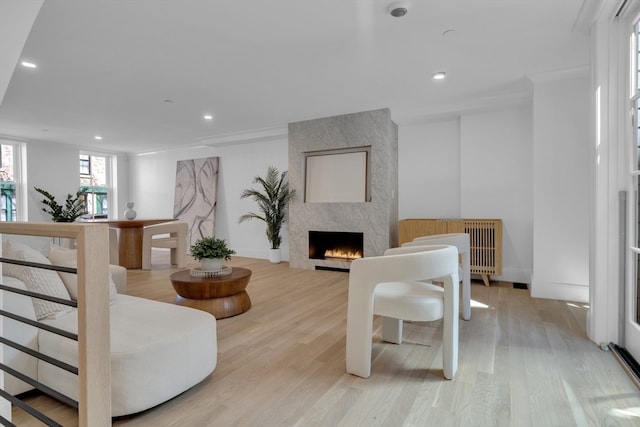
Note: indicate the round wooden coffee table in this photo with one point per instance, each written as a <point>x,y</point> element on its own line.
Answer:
<point>222,296</point>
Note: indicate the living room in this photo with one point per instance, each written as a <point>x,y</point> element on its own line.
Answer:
<point>499,155</point>
<point>480,164</point>
<point>524,158</point>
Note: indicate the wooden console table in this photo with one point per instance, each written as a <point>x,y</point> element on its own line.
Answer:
<point>222,296</point>
<point>485,236</point>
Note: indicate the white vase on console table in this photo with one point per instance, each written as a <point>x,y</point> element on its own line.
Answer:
<point>130,213</point>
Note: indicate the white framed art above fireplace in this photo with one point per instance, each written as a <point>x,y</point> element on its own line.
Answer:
<point>338,175</point>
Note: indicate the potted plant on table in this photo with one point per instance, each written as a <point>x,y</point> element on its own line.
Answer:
<point>211,252</point>
<point>273,200</point>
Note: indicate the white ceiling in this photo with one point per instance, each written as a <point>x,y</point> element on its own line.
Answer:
<point>107,67</point>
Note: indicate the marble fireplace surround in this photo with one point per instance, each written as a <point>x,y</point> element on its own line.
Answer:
<point>377,219</point>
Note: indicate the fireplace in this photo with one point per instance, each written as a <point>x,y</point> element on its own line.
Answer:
<point>375,214</point>
<point>336,245</point>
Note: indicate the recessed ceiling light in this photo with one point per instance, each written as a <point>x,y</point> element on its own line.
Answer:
<point>97,138</point>
<point>439,75</point>
<point>28,64</point>
<point>208,116</point>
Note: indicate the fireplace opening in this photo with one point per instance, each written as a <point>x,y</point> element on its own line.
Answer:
<point>336,245</point>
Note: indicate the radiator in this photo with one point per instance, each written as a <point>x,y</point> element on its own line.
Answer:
<point>485,236</point>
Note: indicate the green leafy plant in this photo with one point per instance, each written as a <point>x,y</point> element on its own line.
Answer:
<point>273,200</point>
<point>73,206</point>
<point>210,247</point>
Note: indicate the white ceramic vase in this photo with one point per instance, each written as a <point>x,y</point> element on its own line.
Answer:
<point>130,213</point>
<point>274,256</point>
<point>211,264</point>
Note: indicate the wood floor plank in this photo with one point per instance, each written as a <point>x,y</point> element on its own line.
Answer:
<point>523,362</point>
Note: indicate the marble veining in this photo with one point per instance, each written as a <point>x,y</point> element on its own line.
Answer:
<point>378,218</point>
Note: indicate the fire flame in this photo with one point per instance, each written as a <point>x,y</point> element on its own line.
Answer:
<point>342,254</point>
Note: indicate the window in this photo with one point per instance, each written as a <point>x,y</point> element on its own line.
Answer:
<point>94,184</point>
<point>85,165</point>
<point>7,184</point>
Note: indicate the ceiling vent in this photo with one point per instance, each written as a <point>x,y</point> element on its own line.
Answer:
<point>398,10</point>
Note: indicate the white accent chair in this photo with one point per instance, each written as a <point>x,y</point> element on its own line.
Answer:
<point>393,286</point>
<point>462,242</point>
<point>176,241</point>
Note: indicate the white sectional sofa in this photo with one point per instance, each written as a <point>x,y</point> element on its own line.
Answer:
<point>158,350</point>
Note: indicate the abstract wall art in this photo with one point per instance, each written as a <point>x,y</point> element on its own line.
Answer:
<point>195,196</point>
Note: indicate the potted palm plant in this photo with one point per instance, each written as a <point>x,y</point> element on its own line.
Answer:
<point>273,200</point>
<point>211,252</point>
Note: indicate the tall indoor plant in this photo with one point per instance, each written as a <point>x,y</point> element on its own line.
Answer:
<point>273,200</point>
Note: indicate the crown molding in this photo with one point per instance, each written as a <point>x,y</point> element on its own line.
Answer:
<point>588,14</point>
<point>5,137</point>
<point>455,110</point>
<point>251,136</point>
<point>548,76</point>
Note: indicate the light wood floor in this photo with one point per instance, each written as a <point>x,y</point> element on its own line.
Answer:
<point>523,362</point>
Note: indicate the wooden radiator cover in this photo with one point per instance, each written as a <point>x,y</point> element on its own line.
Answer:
<point>485,236</point>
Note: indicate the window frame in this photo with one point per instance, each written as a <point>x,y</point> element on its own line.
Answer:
<point>105,192</point>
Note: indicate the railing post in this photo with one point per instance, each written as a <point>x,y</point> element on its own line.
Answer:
<point>94,349</point>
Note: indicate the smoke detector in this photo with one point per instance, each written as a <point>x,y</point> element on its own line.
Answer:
<point>398,10</point>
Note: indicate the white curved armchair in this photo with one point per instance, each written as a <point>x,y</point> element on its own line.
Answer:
<point>391,286</point>
<point>176,241</point>
<point>462,242</point>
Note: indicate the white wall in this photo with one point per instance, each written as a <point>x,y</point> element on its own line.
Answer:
<point>52,167</point>
<point>429,170</point>
<point>497,181</point>
<point>561,188</point>
<point>474,166</point>
<point>153,188</point>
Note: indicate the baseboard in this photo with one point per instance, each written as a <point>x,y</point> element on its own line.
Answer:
<point>513,275</point>
<point>559,291</point>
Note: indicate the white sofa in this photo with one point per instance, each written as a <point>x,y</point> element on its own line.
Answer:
<point>158,350</point>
